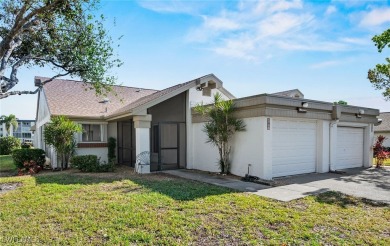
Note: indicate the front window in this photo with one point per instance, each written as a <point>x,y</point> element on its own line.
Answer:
<point>91,133</point>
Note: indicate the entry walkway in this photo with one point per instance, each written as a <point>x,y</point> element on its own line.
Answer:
<point>218,180</point>
<point>282,193</point>
<point>372,184</point>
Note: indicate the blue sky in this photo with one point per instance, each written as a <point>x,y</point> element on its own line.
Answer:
<point>323,48</point>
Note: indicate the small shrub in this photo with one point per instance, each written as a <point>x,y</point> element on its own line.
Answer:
<point>8,144</point>
<point>107,167</point>
<point>85,163</point>
<point>23,156</point>
<point>91,163</point>
<point>29,167</point>
<point>380,153</point>
<point>111,149</point>
<point>26,146</point>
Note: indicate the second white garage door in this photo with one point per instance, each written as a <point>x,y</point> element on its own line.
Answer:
<point>349,152</point>
<point>293,147</point>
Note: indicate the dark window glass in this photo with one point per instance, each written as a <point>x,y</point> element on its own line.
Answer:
<point>91,133</point>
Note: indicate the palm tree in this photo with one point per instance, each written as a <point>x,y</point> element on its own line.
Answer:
<point>9,121</point>
<point>59,133</point>
<point>220,127</point>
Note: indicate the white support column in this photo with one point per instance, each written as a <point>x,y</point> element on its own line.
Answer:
<point>189,132</point>
<point>142,138</point>
<point>332,144</point>
<point>368,143</point>
<point>322,146</point>
<point>265,148</point>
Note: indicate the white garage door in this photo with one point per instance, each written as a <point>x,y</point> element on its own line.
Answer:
<point>293,147</point>
<point>349,152</point>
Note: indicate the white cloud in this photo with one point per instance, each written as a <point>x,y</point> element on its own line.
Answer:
<point>325,64</point>
<point>330,10</point>
<point>241,48</point>
<point>376,17</point>
<point>220,23</point>
<point>286,5</point>
<point>357,41</point>
<point>312,46</point>
<point>282,23</point>
<point>259,29</point>
<point>172,6</point>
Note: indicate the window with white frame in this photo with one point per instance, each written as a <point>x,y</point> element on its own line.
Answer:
<point>91,133</point>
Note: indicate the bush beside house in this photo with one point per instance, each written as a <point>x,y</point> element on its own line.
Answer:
<point>59,133</point>
<point>28,160</point>
<point>91,163</point>
<point>381,153</point>
<point>111,149</point>
<point>8,144</point>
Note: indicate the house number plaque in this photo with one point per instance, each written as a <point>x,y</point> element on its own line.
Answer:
<point>268,124</point>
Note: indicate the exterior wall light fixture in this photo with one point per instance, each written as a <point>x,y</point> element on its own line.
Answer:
<point>303,108</point>
<point>360,113</point>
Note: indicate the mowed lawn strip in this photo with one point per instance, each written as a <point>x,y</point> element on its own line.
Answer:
<point>122,208</point>
<point>7,163</point>
<point>385,163</point>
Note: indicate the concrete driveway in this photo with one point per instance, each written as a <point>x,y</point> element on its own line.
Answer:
<point>372,183</point>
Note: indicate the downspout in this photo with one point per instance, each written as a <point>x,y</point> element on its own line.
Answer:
<point>332,124</point>
<point>336,113</point>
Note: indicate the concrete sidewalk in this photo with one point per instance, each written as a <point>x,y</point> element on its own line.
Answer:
<point>218,180</point>
<point>283,193</point>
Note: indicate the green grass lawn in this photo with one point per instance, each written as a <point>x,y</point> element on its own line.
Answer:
<point>385,163</point>
<point>122,208</point>
<point>7,164</point>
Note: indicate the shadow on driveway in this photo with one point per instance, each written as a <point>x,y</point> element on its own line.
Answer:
<point>368,183</point>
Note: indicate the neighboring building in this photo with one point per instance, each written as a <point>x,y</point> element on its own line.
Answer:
<point>384,128</point>
<point>285,134</point>
<point>290,93</point>
<point>23,132</point>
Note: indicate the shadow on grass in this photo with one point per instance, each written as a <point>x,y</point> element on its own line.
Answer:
<point>176,188</point>
<point>342,200</point>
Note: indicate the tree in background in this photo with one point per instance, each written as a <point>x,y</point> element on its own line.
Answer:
<point>380,75</point>
<point>220,127</point>
<point>61,34</point>
<point>9,121</point>
<point>340,102</point>
<point>59,133</point>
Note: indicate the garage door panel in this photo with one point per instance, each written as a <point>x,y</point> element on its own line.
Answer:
<point>350,146</point>
<point>293,168</point>
<point>294,147</point>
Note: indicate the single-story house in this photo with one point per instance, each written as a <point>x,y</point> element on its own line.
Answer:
<point>286,134</point>
<point>383,128</point>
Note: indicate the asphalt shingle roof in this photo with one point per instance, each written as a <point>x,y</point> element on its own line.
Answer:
<point>75,99</point>
<point>385,125</point>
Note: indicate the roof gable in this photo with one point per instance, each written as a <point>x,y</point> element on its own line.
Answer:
<point>295,93</point>
<point>75,99</point>
<point>159,96</point>
<point>385,125</point>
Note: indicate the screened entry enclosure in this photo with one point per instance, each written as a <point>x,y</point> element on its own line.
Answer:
<point>168,146</point>
<point>126,143</point>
